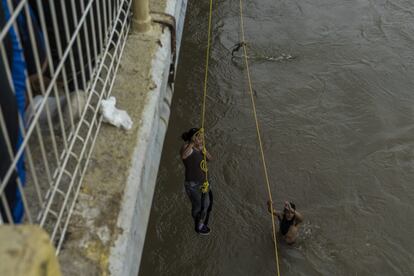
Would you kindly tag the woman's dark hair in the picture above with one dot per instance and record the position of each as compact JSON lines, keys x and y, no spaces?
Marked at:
{"x":292,"y":205}
{"x":186,"y":136}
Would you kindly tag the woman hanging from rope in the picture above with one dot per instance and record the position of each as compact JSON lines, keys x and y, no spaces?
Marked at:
{"x":195,"y":177}
{"x":289,"y":220}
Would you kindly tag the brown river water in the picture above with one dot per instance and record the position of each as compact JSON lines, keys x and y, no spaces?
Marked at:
{"x":334,"y":87}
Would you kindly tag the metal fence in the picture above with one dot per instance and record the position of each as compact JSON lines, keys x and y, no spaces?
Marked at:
{"x":58,"y":60}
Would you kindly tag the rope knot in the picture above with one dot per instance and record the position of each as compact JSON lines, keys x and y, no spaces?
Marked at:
{"x":205,"y":187}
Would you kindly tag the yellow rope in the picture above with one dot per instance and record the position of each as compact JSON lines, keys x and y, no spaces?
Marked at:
{"x":258,"y":134}
{"x":203,"y":112}
{"x":203,"y":165}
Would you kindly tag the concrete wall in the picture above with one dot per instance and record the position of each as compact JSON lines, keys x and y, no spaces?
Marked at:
{"x":136,"y":205}
{"x":107,"y":229}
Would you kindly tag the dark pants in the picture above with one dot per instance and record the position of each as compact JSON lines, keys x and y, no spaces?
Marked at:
{"x":201,"y":204}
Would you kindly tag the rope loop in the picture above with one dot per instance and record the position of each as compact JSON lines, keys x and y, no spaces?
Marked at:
{"x":203,"y":166}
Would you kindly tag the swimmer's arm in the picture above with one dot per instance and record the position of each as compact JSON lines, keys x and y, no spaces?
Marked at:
{"x":186,"y":150}
{"x":270,"y":209}
{"x":298,"y":217}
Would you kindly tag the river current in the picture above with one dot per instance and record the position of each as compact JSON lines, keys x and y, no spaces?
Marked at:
{"x":334,"y":88}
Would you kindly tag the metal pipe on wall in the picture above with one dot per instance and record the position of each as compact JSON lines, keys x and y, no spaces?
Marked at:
{"x":141,"y":16}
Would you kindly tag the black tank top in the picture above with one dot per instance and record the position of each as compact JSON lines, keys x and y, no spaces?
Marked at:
{"x":285,"y":224}
{"x":193,"y":170}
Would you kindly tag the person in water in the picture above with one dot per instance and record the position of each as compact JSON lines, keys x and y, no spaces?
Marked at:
{"x":192,"y":156}
{"x":289,"y":220}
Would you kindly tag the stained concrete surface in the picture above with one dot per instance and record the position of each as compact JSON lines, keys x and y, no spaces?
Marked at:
{"x":92,"y":230}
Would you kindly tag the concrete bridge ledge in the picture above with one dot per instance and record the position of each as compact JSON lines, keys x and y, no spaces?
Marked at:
{"x":107,"y":230}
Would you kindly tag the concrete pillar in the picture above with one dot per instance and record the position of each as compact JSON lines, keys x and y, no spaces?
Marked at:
{"x":26,"y":250}
{"x":141,"y":19}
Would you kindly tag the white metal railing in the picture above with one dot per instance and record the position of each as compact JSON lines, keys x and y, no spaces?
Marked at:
{"x":58,"y":60}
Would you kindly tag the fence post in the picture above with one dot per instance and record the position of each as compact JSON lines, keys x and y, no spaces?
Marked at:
{"x":141,"y":17}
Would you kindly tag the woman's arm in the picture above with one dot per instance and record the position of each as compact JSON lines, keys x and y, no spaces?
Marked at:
{"x":208,"y":156}
{"x":298,"y":217}
{"x":271,"y":209}
{"x":187,"y":150}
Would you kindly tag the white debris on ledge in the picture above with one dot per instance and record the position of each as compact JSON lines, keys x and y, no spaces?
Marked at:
{"x":114,"y":116}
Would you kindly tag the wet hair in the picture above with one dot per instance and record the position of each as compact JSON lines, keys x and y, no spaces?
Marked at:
{"x":186,"y":136}
{"x":292,"y":205}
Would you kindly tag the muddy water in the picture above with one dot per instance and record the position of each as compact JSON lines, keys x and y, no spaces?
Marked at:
{"x":334,"y":87}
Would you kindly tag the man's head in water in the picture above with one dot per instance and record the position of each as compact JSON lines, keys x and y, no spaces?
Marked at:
{"x":289,"y":210}
{"x":193,"y":135}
